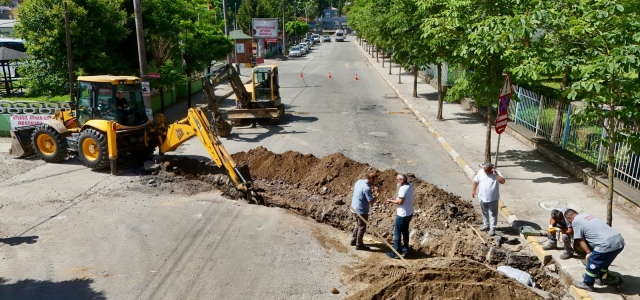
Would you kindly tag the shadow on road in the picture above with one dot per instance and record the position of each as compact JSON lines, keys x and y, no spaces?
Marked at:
{"x":17,"y":240}
{"x":49,"y":290}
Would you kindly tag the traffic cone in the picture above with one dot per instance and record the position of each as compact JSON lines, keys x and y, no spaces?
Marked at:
{"x":356,"y":76}
{"x":300,"y":74}
{"x":329,"y":74}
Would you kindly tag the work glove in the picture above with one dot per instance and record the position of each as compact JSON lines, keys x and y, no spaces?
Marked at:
{"x":552,"y":230}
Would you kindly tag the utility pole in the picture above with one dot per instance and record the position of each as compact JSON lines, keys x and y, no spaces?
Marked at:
{"x":284,"y":34}
{"x":69,"y":59}
{"x":226,"y":27}
{"x":142,"y":57}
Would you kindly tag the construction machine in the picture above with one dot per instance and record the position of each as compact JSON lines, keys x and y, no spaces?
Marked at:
{"x":109,"y":119}
{"x":260,"y":99}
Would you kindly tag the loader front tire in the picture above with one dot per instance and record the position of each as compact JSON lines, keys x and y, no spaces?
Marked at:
{"x":49,"y":145}
{"x":93,"y":150}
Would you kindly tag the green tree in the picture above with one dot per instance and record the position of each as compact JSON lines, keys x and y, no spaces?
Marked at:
{"x":97,"y":29}
{"x":442,"y":39}
{"x":202,"y":41}
{"x":250,"y":9}
{"x":162,"y":20}
{"x":488,"y":34}
{"x":296,"y":28}
{"x":551,"y":52}
{"x":405,"y":18}
{"x":607,"y":85}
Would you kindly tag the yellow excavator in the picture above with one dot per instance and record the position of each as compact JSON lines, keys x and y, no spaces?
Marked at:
{"x":260,"y":99}
{"x":108,"y":119}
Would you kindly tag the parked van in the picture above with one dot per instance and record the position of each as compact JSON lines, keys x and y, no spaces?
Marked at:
{"x":339,"y":36}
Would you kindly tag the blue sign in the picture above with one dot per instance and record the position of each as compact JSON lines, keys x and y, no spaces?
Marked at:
{"x":312,"y":25}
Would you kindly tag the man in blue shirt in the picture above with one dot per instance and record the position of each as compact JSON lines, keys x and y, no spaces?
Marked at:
{"x":360,"y":202}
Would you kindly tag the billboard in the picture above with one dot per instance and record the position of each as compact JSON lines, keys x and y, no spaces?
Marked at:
{"x":264,"y":28}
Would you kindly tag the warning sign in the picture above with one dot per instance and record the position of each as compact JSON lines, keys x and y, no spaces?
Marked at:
{"x":27,"y":119}
{"x":506,"y":89}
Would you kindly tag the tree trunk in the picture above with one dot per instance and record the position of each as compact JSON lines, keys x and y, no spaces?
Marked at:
{"x":440,"y":93}
{"x":487,"y":148}
{"x":399,"y":73}
{"x":611,"y":131}
{"x":162,"y":100}
{"x":415,"y":81}
{"x":390,"y":60}
{"x":377,"y":51}
{"x":557,"y":121}
{"x":373,"y":49}
{"x":383,"y":60}
{"x":188,"y":91}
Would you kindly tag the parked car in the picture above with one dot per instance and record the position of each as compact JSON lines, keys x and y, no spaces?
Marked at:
{"x":295,"y":51}
{"x":316,"y":38}
{"x":326,"y":38}
{"x":304,"y":48}
{"x":309,"y":42}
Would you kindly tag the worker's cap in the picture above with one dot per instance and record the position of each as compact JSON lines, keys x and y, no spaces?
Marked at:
{"x":487,"y":164}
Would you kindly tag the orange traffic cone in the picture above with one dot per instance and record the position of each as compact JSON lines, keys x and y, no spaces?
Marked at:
{"x":356,"y":76}
{"x":329,"y":74}
{"x":300,"y":74}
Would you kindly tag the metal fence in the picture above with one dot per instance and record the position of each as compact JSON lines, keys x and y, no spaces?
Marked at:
{"x":539,"y":114}
{"x":449,"y":76}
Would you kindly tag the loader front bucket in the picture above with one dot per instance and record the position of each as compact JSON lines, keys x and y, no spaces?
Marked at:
{"x":21,"y":145}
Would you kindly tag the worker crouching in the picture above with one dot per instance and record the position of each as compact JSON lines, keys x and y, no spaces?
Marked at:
{"x":607,"y":243}
{"x":558,"y":224}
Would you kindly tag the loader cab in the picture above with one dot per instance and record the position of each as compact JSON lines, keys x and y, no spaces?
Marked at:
{"x":113,"y":98}
{"x":266,"y":87}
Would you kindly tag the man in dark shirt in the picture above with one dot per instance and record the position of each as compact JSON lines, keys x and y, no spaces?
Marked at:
{"x":121,"y":101}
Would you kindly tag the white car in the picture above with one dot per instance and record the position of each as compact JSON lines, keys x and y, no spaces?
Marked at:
{"x":304,"y":47}
{"x":295,"y":51}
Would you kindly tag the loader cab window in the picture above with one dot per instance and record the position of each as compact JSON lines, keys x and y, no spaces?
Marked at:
{"x":262,"y":81}
{"x":84,"y":107}
{"x":134,"y":113}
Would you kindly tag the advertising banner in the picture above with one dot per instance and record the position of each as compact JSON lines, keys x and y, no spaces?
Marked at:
{"x":264,"y":28}
{"x":27,"y":119}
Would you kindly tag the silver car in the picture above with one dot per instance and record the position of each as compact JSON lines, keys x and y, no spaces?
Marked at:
{"x":304,"y":48}
{"x":295,"y":51}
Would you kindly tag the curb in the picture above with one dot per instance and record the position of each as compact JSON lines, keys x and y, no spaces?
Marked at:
{"x":543,"y":255}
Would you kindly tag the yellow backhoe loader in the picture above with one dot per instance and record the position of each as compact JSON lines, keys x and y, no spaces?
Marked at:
{"x":259,"y":99}
{"x":109,"y":119}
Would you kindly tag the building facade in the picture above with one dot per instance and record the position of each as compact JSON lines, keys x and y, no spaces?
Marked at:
{"x":331,"y":21}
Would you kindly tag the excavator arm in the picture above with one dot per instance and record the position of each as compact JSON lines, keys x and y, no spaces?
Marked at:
{"x":229,"y":73}
{"x":196,"y":124}
{"x":210,"y":81}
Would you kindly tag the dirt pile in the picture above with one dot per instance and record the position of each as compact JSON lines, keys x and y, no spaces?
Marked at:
{"x":437,"y":278}
{"x":321,"y":189}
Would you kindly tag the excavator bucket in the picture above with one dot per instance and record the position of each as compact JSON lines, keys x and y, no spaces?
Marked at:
{"x":223,"y":128}
{"x":21,"y":145}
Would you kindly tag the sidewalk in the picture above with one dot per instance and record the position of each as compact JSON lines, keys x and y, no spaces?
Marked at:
{"x":533,"y":186}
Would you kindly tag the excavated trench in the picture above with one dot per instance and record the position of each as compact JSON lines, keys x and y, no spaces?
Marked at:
{"x":453,"y":264}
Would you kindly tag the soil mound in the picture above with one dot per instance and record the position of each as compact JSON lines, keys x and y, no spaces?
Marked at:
{"x":438,"y":278}
{"x":294,"y":180}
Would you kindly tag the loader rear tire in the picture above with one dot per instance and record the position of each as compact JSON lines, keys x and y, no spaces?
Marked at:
{"x":49,"y":145}
{"x":93,"y":149}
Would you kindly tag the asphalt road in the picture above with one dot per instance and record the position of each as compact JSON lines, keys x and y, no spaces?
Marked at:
{"x":363,"y":119}
{"x":72,"y":233}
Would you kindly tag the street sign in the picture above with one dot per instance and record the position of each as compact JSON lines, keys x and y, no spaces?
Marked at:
{"x":154,"y":75}
{"x":506,"y":89}
{"x":503,"y":118}
{"x":270,"y":40}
